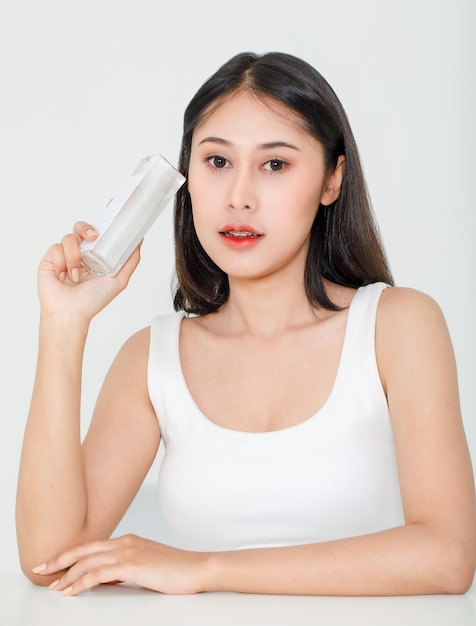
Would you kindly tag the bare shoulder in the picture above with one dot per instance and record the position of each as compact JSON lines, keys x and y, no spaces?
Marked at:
{"x":411,"y":333}
{"x":132,"y":358}
{"x":404,"y":300}
{"x":404,"y":310}
{"x":138,"y":342}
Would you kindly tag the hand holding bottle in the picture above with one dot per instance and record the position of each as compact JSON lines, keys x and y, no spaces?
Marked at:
{"x":66,"y":287}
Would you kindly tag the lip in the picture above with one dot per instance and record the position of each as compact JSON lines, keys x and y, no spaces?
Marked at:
{"x":240,"y":236}
{"x":239,"y":228}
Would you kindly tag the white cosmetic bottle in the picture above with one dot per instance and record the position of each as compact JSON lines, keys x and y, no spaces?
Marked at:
{"x":130,"y":214}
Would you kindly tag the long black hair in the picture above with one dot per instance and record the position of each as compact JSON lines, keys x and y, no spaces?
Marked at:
{"x":345,"y":245}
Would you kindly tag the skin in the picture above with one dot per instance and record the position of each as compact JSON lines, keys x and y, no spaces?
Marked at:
{"x":267,"y":331}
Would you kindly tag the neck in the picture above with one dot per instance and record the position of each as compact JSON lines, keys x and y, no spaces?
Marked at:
{"x":266,"y":306}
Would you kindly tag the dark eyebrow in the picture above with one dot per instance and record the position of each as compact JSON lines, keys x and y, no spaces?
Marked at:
{"x":218,"y":140}
{"x":264,"y":146}
{"x":277,"y":144}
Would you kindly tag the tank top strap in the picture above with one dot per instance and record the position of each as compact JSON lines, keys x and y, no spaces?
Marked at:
{"x":358,"y":365}
{"x":363,"y":315}
{"x":164,"y":365}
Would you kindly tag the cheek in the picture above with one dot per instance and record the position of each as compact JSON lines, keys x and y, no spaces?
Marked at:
{"x":196,"y":198}
{"x":195,"y":180}
{"x":311,"y":197}
{"x":301,"y":202}
{"x":202,"y":208}
{"x":202,"y":191}
{"x":202,"y":212}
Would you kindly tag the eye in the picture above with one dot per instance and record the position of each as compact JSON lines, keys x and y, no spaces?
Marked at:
{"x":217,"y":161}
{"x":274,"y":165}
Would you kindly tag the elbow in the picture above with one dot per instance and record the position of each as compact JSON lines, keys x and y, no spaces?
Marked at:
{"x":459,"y":583}
{"x":457,"y":569}
{"x":36,"y":579}
{"x":40,"y":579}
{"x":460,"y":580}
{"x":28,"y":555}
{"x":30,"y":561}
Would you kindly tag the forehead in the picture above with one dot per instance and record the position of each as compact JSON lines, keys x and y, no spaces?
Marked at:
{"x":244,"y":113}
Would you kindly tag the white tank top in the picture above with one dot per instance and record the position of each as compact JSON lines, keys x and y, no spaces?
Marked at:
{"x":331,"y":476}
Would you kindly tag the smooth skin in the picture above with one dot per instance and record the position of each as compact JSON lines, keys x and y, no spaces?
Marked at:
{"x":253,"y":168}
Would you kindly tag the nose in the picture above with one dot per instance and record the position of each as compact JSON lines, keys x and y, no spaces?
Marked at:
{"x":242,"y":190}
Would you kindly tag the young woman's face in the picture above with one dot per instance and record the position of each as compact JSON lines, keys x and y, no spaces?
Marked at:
{"x":256,"y":180}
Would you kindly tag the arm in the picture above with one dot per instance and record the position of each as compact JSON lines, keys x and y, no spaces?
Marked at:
{"x":67,"y":493}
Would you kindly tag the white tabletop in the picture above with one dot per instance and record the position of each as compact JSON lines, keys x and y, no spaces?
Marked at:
{"x":23,"y":604}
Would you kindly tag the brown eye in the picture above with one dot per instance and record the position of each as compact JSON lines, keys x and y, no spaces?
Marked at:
{"x":217,"y":161}
{"x":275,"y":165}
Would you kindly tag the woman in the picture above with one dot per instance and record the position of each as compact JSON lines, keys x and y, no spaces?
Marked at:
{"x":309,"y":409}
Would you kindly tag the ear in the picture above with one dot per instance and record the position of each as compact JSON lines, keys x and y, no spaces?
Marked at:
{"x":333,"y":183}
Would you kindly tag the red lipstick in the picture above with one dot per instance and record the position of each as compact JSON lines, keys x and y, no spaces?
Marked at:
{"x":240,"y":236}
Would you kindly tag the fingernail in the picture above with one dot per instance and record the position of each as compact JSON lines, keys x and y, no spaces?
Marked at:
{"x":53,"y":584}
{"x":39,"y":568}
{"x":67,"y":590}
{"x":75,"y":275}
{"x":62,"y":276}
{"x":91,"y":233}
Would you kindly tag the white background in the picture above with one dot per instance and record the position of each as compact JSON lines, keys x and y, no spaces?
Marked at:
{"x":90,"y":87}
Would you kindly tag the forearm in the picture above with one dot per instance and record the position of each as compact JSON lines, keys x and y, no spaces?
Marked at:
{"x":405,"y":560}
{"x":52,"y":499}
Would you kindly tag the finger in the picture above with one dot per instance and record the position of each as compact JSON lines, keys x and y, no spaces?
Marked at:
{"x":67,"y":559}
{"x":55,"y":258}
{"x":106,"y":574}
{"x":84,"y":230}
{"x":89,"y":567}
{"x":72,"y":256}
